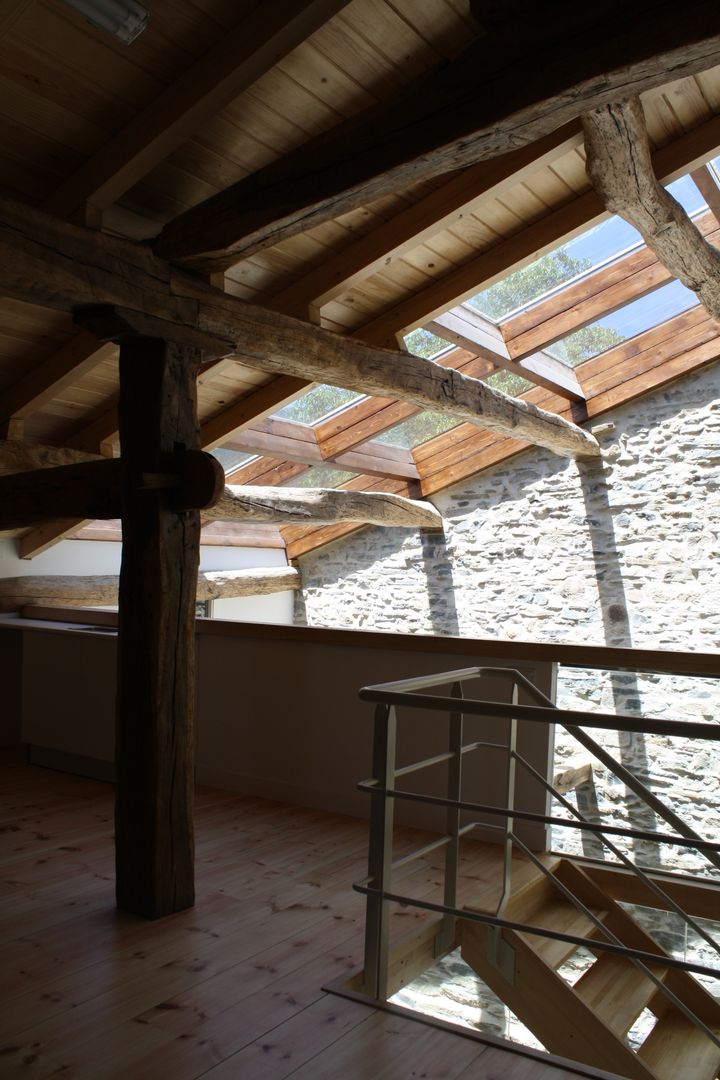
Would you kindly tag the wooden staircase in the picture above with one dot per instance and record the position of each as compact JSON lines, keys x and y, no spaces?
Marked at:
{"x":589,"y":1020}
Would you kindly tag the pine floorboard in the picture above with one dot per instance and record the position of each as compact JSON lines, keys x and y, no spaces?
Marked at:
{"x":232,"y":988}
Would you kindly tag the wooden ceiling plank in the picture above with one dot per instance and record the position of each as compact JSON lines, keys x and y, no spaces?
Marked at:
{"x":448,"y":205}
{"x":40,"y":385}
{"x":91,"y":267}
{"x":483,"y":104}
{"x":264,"y":36}
{"x":529,"y":244}
{"x":620,"y":167}
{"x":467,"y":328}
{"x":10,"y":13}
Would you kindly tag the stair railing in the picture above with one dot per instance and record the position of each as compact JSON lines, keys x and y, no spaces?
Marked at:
{"x":383,"y":792}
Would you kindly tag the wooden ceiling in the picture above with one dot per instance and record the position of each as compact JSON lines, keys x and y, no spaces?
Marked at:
{"x":128,"y":138}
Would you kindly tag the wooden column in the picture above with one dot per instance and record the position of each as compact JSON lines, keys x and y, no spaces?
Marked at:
{"x":156,"y":648}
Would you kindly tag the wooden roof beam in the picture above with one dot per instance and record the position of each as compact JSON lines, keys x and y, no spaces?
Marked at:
{"x":620,"y":167}
{"x":266,"y":34}
{"x":531,"y":242}
{"x":507,"y":89}
{"x":40,"y":385}
{"x":61,"y":265}
{"x":102,"y":590}
{"x":448,"y":205}
{"x":322,"y":506}
{"x":469,"y":329}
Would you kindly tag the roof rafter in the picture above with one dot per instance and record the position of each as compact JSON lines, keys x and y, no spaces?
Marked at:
{"x":505,"y":90}
{"x":263,"y":37}
{"x":522,"y":248}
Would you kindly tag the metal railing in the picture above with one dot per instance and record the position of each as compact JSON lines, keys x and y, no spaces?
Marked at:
{"x":377,"y":886}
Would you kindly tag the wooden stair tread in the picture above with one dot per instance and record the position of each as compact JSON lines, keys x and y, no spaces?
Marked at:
{"x":560,"y":915}
{"x":676,"y":1048}
{"x":616,"y":990}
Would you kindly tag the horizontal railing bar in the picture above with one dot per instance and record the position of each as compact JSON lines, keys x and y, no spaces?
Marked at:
{"x":438,"y":759}
{"x":421,"y":682}
{"x":543,"y":714}
{"x":659,"y":960}
{"x":372,"y":786}
{"x":431,"y":846}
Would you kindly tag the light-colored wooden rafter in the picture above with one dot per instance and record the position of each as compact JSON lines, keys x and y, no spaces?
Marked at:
{"x":465,"y":327}
{"x":260,"y":39}
{"x":34,"y":390}
{"x":443,"y":208}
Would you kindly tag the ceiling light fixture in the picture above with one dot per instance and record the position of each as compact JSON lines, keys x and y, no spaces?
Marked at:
{"x":124,"y":19}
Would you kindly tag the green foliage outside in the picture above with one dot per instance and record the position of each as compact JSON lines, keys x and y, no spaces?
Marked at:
{"x":531,"y":282}
{"x":317,"y":403}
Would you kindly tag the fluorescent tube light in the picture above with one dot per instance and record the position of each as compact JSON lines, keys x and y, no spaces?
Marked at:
{"x":124,"y":19}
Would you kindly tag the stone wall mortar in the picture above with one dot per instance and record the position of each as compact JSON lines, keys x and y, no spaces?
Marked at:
{"x":622,"y":552}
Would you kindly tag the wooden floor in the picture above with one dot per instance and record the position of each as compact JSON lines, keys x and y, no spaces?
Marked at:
{"x":230,"y":989}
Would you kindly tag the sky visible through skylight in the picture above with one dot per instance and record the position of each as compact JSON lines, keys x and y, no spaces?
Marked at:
{"x":598,"y":246}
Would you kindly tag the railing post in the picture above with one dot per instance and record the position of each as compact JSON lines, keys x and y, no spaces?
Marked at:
{"x":502,"y":955}
{"x":380,"y":855}
{"x":446,"y":935}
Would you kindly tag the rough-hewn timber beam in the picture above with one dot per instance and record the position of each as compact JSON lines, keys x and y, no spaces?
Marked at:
{"x":259,"y":41}
{"x":705,"y":180}
{"x":322,"y":506}
{"x":505,"y":90}
{"x":620,"y":167}
{"x":91,"y":267}
{"x":442,"y":208}
{"x":90,"y":486}
{"x":102,"y":590}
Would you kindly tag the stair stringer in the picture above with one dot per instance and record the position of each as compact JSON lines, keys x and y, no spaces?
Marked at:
{"x":549,"y":1006}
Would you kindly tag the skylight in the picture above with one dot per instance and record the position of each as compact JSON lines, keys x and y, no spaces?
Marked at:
{"x":424,"y":343}
{"x":417,"y":430}
{"x":318,"y":404}
{"x":640,"y":315}
{"x":321,"y":476}
{"x":232,"y":459}
{"x":603,"y":244}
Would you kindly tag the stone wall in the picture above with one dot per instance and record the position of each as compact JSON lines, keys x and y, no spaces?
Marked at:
{"x":618,"y":552}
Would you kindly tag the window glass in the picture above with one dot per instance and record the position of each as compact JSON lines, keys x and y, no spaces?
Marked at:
{"x":640,"y":315}
{"x":321,"y":476}
{"x":317,"y":404}
{"x":417,"y":430}
{"x":423,"y":343}
{"x":232,"y":459}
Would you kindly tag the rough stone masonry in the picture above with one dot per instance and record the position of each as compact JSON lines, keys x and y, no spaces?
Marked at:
{"x":619,"y":552}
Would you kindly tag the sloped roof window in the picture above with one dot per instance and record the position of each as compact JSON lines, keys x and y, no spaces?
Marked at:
{"x":321,"y":476}
{"x":232,"y":459}
{"x":318,"y":404}
{"x":417,"y":430}
{"x":640,"y":315}
{"x":594,"y":249}
{"x":424,"y":343}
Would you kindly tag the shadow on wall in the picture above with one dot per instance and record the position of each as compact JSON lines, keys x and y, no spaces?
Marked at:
{"x":617,"y":632}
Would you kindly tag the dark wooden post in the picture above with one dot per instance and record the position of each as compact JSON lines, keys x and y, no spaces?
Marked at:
{"x":156,"y":649}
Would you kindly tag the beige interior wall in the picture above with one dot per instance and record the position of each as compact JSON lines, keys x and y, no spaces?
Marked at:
{"x":278,"y":712}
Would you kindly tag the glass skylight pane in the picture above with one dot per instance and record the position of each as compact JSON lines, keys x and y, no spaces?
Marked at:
{"x":417,"y":430}
{"x":232,"y":459}
{"x":321,"y":476}
{"x":423,"y":343}
{"x":317,"y":404}
{"x":687,"y":194}
{"x":598,"y":246}
{"x":636,"y":317}
{"x":509,"y":383}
